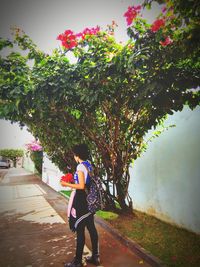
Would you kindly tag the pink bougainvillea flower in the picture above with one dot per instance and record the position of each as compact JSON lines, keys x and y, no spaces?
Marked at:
{"x":68,"y":32}
{"x":157,"y":25}
{"x":68,"y":39}
{"x":92,"y":31}
{"x":137,"y":8}
{"x":167,"y":41}
{"x":60,"y":37}
{"x":34,"y":146}
{"x":164,"y":9}
{"x":132,"y":13}
{"x":87,"y":31}
{"x":79,"y":35}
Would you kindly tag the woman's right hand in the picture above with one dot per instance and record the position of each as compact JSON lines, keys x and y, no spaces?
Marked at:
{"x":63,"y":183}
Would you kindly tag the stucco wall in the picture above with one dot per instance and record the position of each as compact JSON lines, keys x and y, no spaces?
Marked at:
{"x":165,"y":180}
{"x":28,"y":164}
{"x":51,"y":174}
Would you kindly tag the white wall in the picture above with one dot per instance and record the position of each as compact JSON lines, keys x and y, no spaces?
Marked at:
{"x":165,"y":180}
{"x":28,"y":164}
{"x":51,"y":174}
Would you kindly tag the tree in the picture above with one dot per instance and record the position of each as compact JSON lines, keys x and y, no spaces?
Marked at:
{"x":111,"y":96}
{"x":12,"y":154}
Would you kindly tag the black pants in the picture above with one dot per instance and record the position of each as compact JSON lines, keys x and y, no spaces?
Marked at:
{"x":89,"y":223}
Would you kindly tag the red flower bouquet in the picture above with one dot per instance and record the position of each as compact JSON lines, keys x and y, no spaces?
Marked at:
{"x":68,"y":178}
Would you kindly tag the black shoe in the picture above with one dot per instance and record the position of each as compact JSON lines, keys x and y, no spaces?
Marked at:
{"x":94,"y":259}
{"x":74,"y":263}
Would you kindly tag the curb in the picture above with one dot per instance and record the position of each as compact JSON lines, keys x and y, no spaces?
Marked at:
{"x":132,"y":245}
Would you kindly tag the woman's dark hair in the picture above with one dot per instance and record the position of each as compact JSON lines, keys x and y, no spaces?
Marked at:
{"x":81,"y":151}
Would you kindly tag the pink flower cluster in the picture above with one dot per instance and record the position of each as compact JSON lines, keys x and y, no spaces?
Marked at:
{"x":157,"y":25}
{"x":87,"y":31}
{"x":167,"y":41}
{"x":164,"y":9}
{"x":70,"y":40}
{"x":132,"y":13}
{"x":34,"y":146}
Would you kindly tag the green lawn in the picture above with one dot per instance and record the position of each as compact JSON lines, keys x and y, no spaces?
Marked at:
{"x":66,"y":192}
{"x":174,"y":246}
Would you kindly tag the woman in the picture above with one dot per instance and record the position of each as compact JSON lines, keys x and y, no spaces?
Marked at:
{"x":79,"y":216}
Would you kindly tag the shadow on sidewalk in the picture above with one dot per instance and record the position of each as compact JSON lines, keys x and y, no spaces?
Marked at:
{"x":26,"y":243}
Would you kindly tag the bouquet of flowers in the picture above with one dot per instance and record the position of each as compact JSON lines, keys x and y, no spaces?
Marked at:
{"x":68,"y":178}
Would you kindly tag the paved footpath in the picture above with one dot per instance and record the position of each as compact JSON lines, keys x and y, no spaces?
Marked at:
{"x":34,"y":229}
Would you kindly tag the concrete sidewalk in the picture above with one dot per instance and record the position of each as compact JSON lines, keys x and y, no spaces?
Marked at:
{"x":34,"y":229}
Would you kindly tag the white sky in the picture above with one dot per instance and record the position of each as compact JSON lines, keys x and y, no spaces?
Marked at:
{"x":11,"y":136}
{"x":43,"y":20}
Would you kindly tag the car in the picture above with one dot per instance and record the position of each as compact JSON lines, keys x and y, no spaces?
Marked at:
{"x":4,"y":163}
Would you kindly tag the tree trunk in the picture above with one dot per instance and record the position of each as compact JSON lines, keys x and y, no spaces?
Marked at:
{"x":15,"y":162}
{"x":121,"y":182}
{"x":122,"y":197}
{"x":117,"y":181}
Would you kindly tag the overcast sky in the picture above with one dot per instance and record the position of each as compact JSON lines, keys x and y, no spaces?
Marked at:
{"x":43,"y":20}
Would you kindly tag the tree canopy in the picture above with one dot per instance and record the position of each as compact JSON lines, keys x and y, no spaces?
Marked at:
{"x":112,"y":95}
